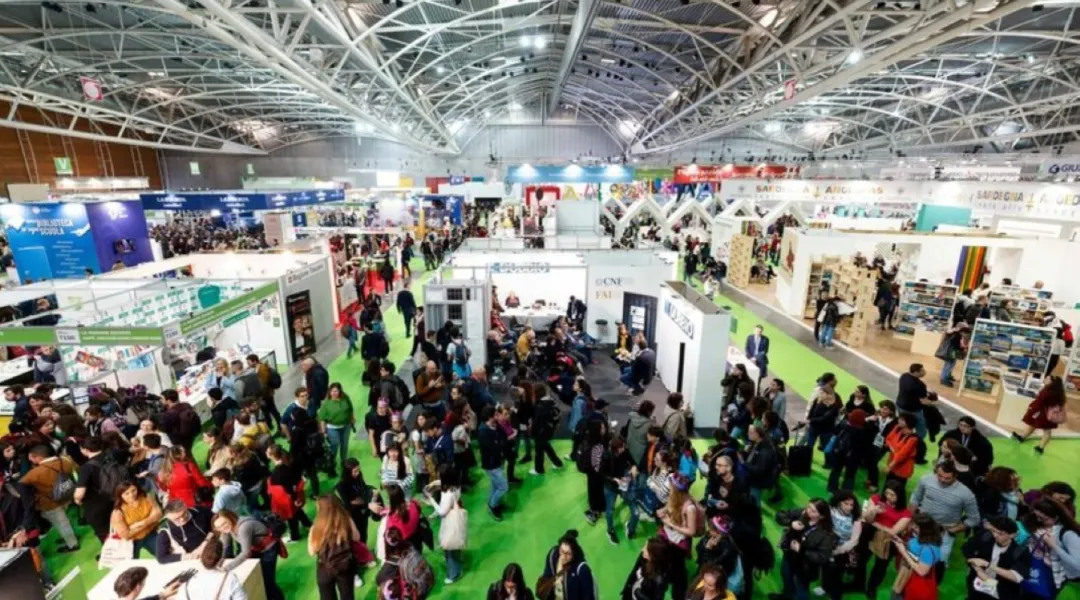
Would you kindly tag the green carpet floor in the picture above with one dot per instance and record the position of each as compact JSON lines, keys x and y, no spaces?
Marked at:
{"x":541,"y":509}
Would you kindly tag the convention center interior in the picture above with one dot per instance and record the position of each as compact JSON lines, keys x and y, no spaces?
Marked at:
{"x":539,"y":299}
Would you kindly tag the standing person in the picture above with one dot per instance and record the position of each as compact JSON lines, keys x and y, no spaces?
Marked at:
{"x":902,"y":446}
{"x":888,"y":517}
{"x":317,"y":382}
{"x":637,"y":429}
{"x":135,"y":517}
{"x":849,"y":451}
{"x":331,"y":541}
{"x":356,"y":494}
{"x":822,"y":415}
{"x":336,"y":420}
{"x":185,"y":533}
{"x":179,"y":420}
{"x":761,"y":461}
{"x":953,"y":347}
{"x":566,"y":574}
{"x":229,"y":495}
{"x":682,"y":518}
{"x":777,"y":397}
{"x":648,"y":578}
{"x":675,"y":420}
{"x":829,"y":318}
{"x":452,"y":531}
{"x":386,"y":273}
{"x":757,"y":350}
{"x":620,"y":472}
{"x":98,"y":478}
{"x":807,"y":543}
{"x":949,"y":503}
{"x":492,"y":453}
{"x":996,"y":563}
{"x":847,"y":526}
{"x":511,"y":586}
{"x":211,"y":582}
{"x":879,"y":426}
{"x":1055,"y":549}
{"x":911,"y":397}
{"x":286,"y":489}
{"x":255,"y":540}
{"x":406,"y":305}
{"x":922,"y":556}
{"x":544,"y":423}
{"x":306,"y":448}
{"x":711,"y":584}
{"x":43,"y":478}
{"x":968,"y":436}
{"x":378,"y":422}
{"x":1045,"y":412}
{"x":270,"y":382}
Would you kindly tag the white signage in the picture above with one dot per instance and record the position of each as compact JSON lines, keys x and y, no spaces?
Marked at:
{"x":1061,"y":167}
{"x":520,"y":268}
{"x":821,"y":191}
{"x":682,"y":321}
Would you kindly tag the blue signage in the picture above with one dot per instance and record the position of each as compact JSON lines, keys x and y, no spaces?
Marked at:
{"x":457,"y":179}
{"x":682,"y":321}
{"x":229,"y":201}
{"x":569,"y":174}
{"x":50,"y":240}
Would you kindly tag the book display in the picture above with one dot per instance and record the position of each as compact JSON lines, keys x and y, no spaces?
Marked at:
{"x":741,"y":260}
{"x":1025,"y":305}
{"x":855,"y":286}
{"x":1008,"y":357}
{"x":1071,"y":376}
{"x":821,"y":276}
{"x":925,"y":307}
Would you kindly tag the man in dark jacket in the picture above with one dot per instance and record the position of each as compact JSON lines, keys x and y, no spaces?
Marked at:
{"x":179,"y":420}
{"x":317,"y":382}
{"x":389,"y":386}
{"x":994,"y":555}
{"x":373,"y":346}
{"x":545,"y":422}
{"x":492,"y":456}
{"x":973,"y":439}
{"x":406,"y":305}
{"x":761,"y":462}
{"x":185,"y":533}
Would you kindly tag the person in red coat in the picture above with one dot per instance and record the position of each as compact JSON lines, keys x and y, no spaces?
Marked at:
{"x":181,"y":479}
{"x":1045,"y":412}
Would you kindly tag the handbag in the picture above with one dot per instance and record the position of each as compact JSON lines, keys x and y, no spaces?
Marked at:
{"x":881,"y":544}
{"x":453,"y":533}
{"x":1056,"y":415}
{"x":115,"y":551}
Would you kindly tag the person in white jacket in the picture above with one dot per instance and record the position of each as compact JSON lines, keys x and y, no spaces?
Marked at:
{"x":211,"y":582}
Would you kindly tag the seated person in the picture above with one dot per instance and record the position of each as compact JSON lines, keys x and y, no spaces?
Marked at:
{"x":512,"y":301}
{"x":635,"y":350}
{"x":624,"y":343}
{"x":525,"y":344}
{"x":641,"y":370}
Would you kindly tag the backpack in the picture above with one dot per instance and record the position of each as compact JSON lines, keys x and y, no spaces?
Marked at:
{"x":274,"y":382}
{"x":762,"y":557}
{"x":461,"y":354}
{"x":111,"y":475}
{"x":699,"y":528}
{"x":1067,"y":334}
{"x":336,"y":559}
{"x":416,"y":574}
{"x":63,"y":490}
{"x":189,"y":422}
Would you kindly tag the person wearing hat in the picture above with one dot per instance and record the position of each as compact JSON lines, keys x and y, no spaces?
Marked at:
{"x":717,"y":547}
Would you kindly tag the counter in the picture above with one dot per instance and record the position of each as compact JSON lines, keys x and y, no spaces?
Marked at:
{"x":249,"y":573}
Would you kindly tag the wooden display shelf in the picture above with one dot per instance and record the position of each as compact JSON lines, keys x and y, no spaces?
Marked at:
{"x":740,"y":260}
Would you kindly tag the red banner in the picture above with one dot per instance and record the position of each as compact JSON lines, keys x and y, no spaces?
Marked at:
{"x":711,"y":173}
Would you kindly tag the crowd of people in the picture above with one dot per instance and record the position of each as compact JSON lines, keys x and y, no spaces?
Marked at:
{"x":195,"y":232}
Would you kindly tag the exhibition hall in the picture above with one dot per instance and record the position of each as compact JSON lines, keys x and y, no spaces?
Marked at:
{"x":539,"y":300}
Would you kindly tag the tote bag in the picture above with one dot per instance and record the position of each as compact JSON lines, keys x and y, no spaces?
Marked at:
{"x":115,"y":551}
{"x":453,"y":533}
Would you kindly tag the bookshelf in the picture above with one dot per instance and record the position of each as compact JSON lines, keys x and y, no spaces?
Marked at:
{"x":821,"y":273}
{"x":740,"y":260}
{"x":1005,"y":357}
{"x":856,"y":287}
{"x":925,"y":306}
{"x":1028,"y":306}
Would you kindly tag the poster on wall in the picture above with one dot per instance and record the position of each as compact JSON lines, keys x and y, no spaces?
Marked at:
{"x":301,"y":328}
{"x":50,"y":241}
{"x":120,"y":233}
{"x":788,"y":249}
{"x":1007,"y":354}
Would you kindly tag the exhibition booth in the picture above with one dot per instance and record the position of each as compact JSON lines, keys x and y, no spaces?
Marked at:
{"x":59,"y":240}
{"x":692,"y":349}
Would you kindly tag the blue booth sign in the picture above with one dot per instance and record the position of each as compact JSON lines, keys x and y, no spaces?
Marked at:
{"x":229,"y":201}
{"x":569,"y":174}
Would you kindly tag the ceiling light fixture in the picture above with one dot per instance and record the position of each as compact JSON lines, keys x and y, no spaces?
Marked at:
{"x":525,"y":41}
{"x":539,"y":42}
{"x":440,"y":70}
{"x":855,"y":56}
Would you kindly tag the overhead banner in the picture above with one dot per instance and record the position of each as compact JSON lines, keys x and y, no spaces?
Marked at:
{"x":569,"y":174}
{"x":829,"y":191}
{"x":241,"y":201}
{"x":1022,"y":199}
{"x":227,"y":309}
{"x":84,"y":336}
{"x":711,"y":173}
{"x":1061,"y":167}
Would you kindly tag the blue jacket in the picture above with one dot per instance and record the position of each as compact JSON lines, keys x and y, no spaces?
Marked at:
{"x":577,"y":412}
{"x":578,"y":584}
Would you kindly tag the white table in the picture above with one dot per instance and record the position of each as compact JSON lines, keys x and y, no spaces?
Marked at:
{"x":14,"y":368}
{"x":249,"y":573}
{"x":539,"y":318}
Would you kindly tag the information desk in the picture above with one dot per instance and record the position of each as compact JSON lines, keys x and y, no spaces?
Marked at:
{"x":539,"y":318}
{"x":249,"y":573}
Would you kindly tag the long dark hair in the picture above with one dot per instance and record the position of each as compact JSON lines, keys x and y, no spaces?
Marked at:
{"x":515,"y":575}
{"x":351,"y":464}
{"x":396,"y":498}
{"x":401,"y":473}
{"x":570,"y":539}
{"x":824,"y":513}
{"x":1055,"y":391}
{"x":1053,"y":509}
{"x":929,"y":530}
{"x":658,"y":557}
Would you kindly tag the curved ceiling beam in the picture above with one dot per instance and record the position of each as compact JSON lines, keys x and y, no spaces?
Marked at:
{"x":579,"y":31}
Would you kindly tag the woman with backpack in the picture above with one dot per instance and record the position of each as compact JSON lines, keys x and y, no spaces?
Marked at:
{"x":255,"y":540}
{"x":286,"y":489}
{"x":828,"y":317}
{"x":566,"y":574}
{"x":455,"y":521}
{"x":807,"y":544}
{"x":1055,"y":549}
{"x":682,"y":520}
{"x":406,"y":575}
{"x":1045,"y":412}
{"x":331,"y":540}
{"x":250,"y":472}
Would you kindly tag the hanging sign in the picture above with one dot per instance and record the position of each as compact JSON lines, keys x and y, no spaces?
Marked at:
{"x":520,"y":268}
{"x":682,"y":321}
{"x":63,"y":165}
{"x":91,"y":89}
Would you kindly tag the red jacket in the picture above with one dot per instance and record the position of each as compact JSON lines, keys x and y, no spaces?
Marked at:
{"x":186,"y":480}
{"x":903,"y":449}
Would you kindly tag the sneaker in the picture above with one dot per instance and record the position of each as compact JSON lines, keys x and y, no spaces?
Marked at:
{"x":629,"y":534}
{"x":66,"y":550}
{"x":591,"y":517}
{"x":1016,"y":436}
{"x":447,"y":581}
{"x":357,"y":581}
{"x":1038,"y":449}
{"x":611,"y":537}
{"x":495,"y":513}
{"x":533,"y":472}
{"x":819,"y":591}
{"x":558,"y":466}
{"x":525,"y":460}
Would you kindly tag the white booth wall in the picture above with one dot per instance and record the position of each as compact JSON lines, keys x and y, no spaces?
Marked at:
{"x":686,"y":321}
{"x":565,"y":276}
{"x":614,"y":274}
